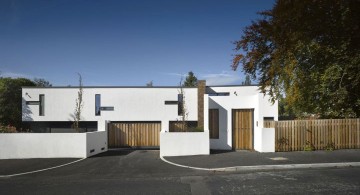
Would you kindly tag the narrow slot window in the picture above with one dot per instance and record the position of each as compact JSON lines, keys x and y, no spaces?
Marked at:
{"x":97,"y":104}
{"x":214,"y":123}
{"x":41,"y":105}
{"x":180,"y":104}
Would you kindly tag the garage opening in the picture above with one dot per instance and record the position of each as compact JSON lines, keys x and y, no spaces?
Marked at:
{"x":136,"y":134}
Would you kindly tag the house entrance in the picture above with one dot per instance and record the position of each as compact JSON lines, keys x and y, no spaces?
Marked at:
{"x":134,"y":134}
{"x":243,"y":129}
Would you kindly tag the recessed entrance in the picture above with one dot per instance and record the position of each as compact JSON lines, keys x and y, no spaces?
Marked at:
{"x":134,"y":134}
{"x":243,"y":129}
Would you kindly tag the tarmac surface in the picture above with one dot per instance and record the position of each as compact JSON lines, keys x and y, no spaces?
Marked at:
{"x":148,"y":161}
{"x":221,"y":159}
{"x":16,"y":166}
{"x":143,"y":172}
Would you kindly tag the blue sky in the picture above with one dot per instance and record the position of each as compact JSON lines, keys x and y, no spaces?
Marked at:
{"x":123,"y":42}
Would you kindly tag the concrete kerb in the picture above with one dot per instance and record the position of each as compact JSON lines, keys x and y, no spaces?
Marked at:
{"x":268,"y":167}
{"x":40,"y":170}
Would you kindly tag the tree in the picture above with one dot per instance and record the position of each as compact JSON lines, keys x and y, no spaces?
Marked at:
{"x":182,"y":109}
{"x":247,"y":80}
{"x":11,"y":100}
{"x":308,"y":51}
{"x":190,"y":80}
{"x":78,"y":105}
{"x":42,"y":83}
{"x":149,"y":84}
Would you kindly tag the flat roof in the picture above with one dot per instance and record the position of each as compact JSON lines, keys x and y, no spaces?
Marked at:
{"x":134,"y":86}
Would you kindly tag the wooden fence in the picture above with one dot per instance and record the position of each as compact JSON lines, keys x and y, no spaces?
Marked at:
{"x":297,"y":135}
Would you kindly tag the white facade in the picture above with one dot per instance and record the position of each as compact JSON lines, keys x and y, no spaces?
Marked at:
{"x":54,"y":145}
{"x":148,"y":104}
{"x":130,"y":104}
{"x":243,"y":97}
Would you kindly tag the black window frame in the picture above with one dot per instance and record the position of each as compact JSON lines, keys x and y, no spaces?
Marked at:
{"x":180,"y":104}
{"x":41,"y":105}
{"x":97,"y":105}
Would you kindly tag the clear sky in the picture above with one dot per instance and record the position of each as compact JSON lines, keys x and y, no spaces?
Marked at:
{"x":123,"y":42}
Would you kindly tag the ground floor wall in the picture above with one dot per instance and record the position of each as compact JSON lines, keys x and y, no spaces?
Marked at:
{"x":52,"y":145}
{"x":184,"y":143}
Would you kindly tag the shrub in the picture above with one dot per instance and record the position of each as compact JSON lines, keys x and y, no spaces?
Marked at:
{"x":308,"y":146}
{"x":7,"y":129}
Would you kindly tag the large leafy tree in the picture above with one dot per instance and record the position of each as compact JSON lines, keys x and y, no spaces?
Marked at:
{"x":11,"y":100}
{"x":190,"y":80}
{"x":42,"y":82}
{"x":309,"y":52}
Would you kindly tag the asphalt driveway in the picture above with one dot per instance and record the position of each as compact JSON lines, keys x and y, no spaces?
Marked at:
{"x":220,"y":159}
{"x":113,"y":163}
{"x":143,"y":172}
{"x":147,"y":163}
{"x":16,"y":166}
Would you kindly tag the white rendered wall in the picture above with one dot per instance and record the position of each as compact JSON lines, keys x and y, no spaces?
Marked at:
{"x":266,"y":138}
{"x":96,"y":142}
{"x":242,"y":97}
{"x":130,"y":104}
{"x":184,"y":143}
{"x":50,"y":145}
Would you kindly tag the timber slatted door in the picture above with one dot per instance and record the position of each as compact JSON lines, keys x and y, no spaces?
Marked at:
{"x":134,"y":134}
{"x":242,"y":129}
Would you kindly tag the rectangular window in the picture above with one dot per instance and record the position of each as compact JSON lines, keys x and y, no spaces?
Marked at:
{"x":97,"y":104}
{"x":219,"y":94}
{"x":268,"y":118}
{"x":41,"y":105}
{"x":179,"y":126}
{"x":214,"y":123}
{"x":180,"y":104}
{"x":107,"y":108}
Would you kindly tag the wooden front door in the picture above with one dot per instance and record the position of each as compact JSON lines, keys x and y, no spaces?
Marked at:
{"x":134,"y":134}
{"x":243,"y":129}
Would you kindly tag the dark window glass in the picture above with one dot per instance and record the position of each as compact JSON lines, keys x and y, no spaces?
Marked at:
{"x":268,"y":118}
{"x":214,"y":123}
{"x":107,"y":108}
{"x":97,"y":104}
{"x":219,"y":94}
{"x":179,"y":126}
{"x":42,"y":105}
{"x":180,"y":104}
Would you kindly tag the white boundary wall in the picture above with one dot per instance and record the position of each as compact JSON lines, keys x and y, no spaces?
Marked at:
{"x":266,"y":137}
{"x":184,"y":143}
{"x":51,"y":145}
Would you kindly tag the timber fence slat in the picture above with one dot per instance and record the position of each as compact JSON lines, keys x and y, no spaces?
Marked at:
{"x":320,"y":134}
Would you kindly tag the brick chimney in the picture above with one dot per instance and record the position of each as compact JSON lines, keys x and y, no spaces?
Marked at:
{"x":201,"y":91}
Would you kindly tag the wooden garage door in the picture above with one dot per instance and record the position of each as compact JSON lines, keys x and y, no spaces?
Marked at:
{"x":242,"y":125}
{"x":134,"y":134}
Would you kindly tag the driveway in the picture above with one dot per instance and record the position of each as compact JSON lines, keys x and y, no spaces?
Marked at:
{"x":143,"y":172}
{"x":113,"y":163}
{"x":220,"y":159}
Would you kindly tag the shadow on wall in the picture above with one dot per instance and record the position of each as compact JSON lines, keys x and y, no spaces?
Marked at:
{"x":222,"y":142}
{"x":26,"y":111}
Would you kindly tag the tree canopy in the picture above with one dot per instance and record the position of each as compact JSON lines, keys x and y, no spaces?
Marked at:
{"x":190,"y":80}
{"x":11,"y":100}
{"x":42,"y":82}
{"x":308,"y":52}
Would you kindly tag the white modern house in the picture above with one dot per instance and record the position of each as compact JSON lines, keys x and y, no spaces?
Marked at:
{"x":227,"y":117}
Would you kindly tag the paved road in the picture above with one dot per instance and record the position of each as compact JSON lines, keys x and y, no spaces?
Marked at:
{"x":142,"y":172}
